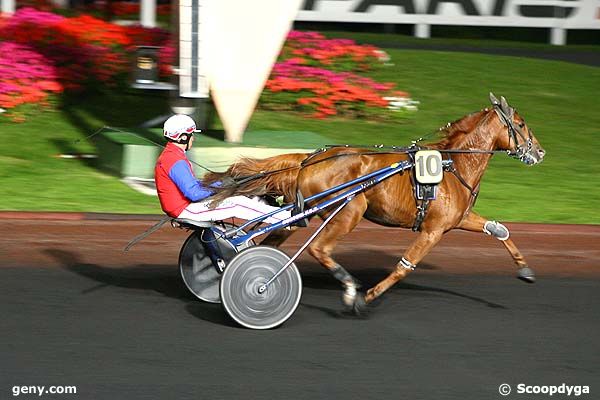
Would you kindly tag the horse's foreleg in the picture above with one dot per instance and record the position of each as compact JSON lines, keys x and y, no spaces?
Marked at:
{"x":413,"y":255}
{"x":476,"y":223}
{"x":350,"y":298}
{"x":324,"y":244}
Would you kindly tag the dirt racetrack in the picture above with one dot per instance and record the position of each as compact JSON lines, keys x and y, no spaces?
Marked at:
{"x":559,"y":250}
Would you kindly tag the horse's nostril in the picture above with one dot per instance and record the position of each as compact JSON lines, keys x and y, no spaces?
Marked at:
{"x":542,"y":152}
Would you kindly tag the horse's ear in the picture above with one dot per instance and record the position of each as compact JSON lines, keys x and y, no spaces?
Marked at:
{"x":504,"y":104}
{"x":493,"y":99}
{"x":508,"y":110}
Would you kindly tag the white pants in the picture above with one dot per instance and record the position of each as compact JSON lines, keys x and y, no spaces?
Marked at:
{"x":237,"y":206}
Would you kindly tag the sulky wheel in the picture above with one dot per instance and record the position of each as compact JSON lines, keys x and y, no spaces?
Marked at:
{"x":196,"y":267}
{"x":243,"y":277}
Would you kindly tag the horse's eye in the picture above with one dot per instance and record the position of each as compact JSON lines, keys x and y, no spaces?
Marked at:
{"x":521,"y":124}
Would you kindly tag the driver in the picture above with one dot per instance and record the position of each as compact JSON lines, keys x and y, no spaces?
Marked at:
{"x":183,"y":196}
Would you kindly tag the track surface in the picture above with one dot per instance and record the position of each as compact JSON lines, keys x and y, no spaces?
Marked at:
{"x":75,"y":310}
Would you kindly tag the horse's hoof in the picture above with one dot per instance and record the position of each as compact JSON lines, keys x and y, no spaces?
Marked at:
{"x":376,"y":302}
{"x":526,"y":274}
{"x":360,"y":307}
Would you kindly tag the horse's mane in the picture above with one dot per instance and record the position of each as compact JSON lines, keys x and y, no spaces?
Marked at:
{"x":454,"y":132}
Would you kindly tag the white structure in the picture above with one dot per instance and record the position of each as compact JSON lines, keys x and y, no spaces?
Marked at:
{"x":192,"y":54}
{"x":148,"y":13}
{"x":556,"y":15}
{"x":8,"y":6}
{"x":228,"y":47}
{"x":242,"y":42}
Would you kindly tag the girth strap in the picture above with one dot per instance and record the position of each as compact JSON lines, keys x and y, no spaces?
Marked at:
{"x":422,"y":205}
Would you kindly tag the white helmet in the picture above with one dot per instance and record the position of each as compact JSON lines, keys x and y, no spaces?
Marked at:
{"x":179,"y":128}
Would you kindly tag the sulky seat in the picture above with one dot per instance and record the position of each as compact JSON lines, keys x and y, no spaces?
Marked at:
{"x":190,"y":223}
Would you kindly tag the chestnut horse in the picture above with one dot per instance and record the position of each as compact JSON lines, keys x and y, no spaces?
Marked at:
{"x":469,"y":142}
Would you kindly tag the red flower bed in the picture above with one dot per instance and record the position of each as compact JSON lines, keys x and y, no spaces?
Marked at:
{"x":320,"y":77}
{"x":315,"y":75}
{"x":336,"y":54}
{"x":25,"y":77}
{"x":81,"y":51}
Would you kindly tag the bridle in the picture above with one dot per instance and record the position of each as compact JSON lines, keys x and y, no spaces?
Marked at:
{"x":522,"y":150}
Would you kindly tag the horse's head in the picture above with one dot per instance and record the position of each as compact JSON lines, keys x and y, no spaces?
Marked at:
{"x":518,"y":140}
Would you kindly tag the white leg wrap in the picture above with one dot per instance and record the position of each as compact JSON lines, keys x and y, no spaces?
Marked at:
{"x":350,"y":285}
{"x":349,"y":294}
{"x":404,"y":263}
{"x":496,"y":229}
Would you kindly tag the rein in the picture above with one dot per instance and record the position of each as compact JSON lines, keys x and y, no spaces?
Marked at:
{"x":395,"y":150}
{"x":411,"y":149}
{"x":106,"y":127}
{"x":502,"y":109}
{"x":304,"y":163}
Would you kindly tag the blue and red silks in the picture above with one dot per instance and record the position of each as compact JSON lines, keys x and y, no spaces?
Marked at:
{"x":176,"y":184}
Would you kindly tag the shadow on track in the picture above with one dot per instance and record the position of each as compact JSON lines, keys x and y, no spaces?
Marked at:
{"x":322,"y":280}
{"x":166,"y":281}
{"x":410,"y":286}
{"x":212,"y":313}
{"x":161,"y":279}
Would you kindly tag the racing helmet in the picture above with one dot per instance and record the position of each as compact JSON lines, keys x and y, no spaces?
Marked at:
{"x":179,"y":128}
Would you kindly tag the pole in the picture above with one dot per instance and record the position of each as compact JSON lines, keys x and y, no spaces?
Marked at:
{"x":8,"y":6}
{"x":148,"y":13}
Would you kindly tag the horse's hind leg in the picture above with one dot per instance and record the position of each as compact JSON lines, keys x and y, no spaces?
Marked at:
{"x":412,"y":256}
{"x":322,"y":247}
{"x":476,"y":223}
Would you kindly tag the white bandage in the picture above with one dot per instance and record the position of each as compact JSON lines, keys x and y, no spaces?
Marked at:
{"x":404,"y":263}
{"x":349,"y":294}
{"x":496,"y":229}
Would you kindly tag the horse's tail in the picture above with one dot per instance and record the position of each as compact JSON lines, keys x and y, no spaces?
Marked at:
{"x":275,"y":176}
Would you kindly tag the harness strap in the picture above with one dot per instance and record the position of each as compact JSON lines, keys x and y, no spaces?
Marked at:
{"x":423,"y":205}
{"x":146,"y":233}
{"x":474,"y":191}
{"x":421,"y":213}
{"x":463,"y":182}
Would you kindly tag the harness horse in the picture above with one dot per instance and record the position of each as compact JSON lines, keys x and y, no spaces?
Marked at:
{"x":427,"y":188}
